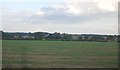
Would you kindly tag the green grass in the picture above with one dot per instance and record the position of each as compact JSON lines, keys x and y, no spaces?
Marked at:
{"x":59,"y":54}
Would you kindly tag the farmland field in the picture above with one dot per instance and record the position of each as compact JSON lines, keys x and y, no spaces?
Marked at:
{"x":59,"y":54}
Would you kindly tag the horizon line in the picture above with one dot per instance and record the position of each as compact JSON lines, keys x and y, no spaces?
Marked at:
{"x":57,"y":32}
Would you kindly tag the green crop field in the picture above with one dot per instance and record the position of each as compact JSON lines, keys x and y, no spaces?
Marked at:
{"x":59,"y":54}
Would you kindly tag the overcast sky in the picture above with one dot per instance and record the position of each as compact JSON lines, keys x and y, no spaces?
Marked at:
{"x":70,"y":16}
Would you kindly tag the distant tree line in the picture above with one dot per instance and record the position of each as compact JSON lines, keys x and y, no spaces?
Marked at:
{"x":57,"y":36}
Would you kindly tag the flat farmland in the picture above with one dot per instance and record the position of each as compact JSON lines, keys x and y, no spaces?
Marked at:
{"x":59,"y":54}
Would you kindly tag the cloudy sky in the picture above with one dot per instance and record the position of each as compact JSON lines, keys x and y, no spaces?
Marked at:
{"x":69,"y":16}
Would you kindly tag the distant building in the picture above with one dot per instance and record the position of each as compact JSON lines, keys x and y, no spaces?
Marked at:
{"x":105,"y":38}
{"x":116,"y":38}
{"x":32,"y":37}
{"x":16,"y":37}
{"x":28,"y":37}
{"x":75,"y":37}
{"x":46,"y":34}
{"x":25,"y":36}
{"x":83,"y":37}
{"x":90,"y":37}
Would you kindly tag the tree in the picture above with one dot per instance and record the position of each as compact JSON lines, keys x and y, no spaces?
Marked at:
{"x":57,"y":36}
{"x":39,"y":36}
{"x":66,"y":37}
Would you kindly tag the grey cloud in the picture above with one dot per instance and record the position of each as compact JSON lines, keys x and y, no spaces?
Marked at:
{"x":65,"y":18}
{"x":60,"y":15}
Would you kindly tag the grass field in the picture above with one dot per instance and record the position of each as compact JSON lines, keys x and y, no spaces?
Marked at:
{"x":59,"y":54}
